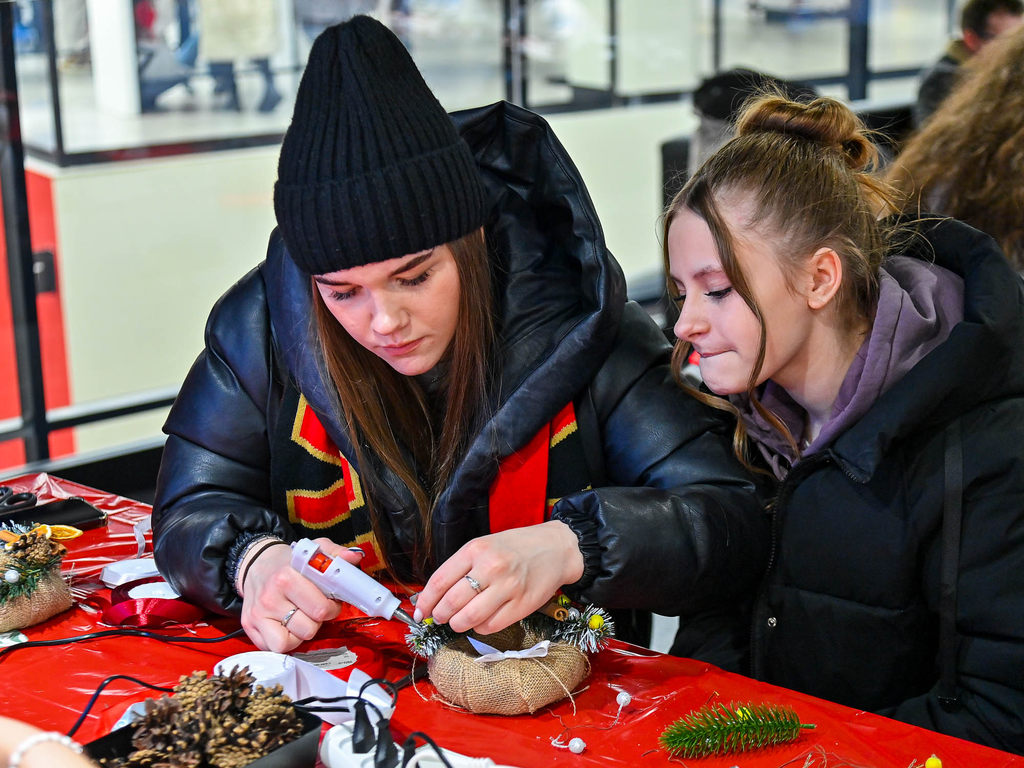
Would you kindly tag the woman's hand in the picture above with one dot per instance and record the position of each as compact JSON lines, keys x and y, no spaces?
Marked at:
{"x":13,"y":734}
{"x":280,"y":607}
{"x":517,"y":571}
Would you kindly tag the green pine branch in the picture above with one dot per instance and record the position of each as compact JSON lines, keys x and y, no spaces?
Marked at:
{"x":28,"y":577}
{"x":718,"y":729}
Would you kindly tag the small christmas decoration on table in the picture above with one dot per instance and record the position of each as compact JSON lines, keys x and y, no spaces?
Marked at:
{"x":216,"y":721}
{"x":526,"y":666}
{"x":717,"y":729}
{"x":31,"y":587}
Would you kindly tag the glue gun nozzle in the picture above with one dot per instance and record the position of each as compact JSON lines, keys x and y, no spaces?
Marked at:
{"x":404,"y":617}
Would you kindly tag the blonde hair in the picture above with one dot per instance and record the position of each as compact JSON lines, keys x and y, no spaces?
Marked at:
{"x":805,"y":172}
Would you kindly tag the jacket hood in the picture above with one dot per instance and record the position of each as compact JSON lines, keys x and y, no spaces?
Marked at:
{"x":559,"y":294}
{"x":918,"y":304}
{"x":980,"y":360}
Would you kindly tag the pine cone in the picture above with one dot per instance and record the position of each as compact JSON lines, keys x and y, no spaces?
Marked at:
{"x":272,"y":716}
{"x":232,"y":690}
{"x":234,"y":757}
{"x":193,"y":688}
{"x":189,"y":736}
{"x":154,"y":730}
{"x":145,"y":758}
{"x":35,"y":549}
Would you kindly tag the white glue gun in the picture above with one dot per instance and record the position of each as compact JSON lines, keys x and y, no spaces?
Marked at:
{"x":340,"y":580}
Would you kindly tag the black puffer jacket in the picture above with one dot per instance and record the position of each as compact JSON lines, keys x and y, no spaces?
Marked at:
{"x":677,"y":525}
{"x":849,"y":610}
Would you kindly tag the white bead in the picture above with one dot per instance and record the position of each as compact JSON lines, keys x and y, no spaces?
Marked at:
{"x":623,"y":699}
{"x":12,"y":576}
{"x":576,"y":746}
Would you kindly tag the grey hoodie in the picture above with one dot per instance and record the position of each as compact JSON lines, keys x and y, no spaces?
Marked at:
{"x":918,"y":305}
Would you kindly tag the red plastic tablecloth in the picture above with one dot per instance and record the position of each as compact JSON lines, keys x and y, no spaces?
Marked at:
{"x":50,"y":686}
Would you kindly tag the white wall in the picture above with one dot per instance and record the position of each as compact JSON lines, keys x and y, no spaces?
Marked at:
{"x":146,"y":249}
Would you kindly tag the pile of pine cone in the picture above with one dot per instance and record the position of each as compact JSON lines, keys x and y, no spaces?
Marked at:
{"x":212,"y":722}
{"x":35,"y":548}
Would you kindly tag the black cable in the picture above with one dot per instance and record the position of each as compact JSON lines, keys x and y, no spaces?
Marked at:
{"x":381,"y":681}
{"x":117,"y":633}
{"x":411,"y":741}
{"x":104,"y":684}
{"x":417,"y":674}
{"x":304,"y":705}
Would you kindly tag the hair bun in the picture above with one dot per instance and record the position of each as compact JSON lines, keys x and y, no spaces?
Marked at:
{"x":824,"y":121}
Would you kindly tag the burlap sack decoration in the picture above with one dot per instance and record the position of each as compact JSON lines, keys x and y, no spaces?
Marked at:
{"x":50,"y":597}
{"x":510,"y":686}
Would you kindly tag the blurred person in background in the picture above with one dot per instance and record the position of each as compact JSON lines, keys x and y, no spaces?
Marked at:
{"x":239,"y":29}
{"x":314,"y":16}
{"x":71,"y":33}
{"x":968,"y":160}
{"x":981,"y":22}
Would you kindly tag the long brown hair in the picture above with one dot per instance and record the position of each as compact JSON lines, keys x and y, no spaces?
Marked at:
{"x":803,"y":172}
{"x":388,"y":412}
{"x":967,"y":161}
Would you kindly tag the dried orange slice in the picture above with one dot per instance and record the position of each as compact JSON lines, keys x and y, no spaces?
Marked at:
{"x":58,"y":532}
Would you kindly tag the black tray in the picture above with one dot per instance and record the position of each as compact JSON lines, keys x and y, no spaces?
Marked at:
{"x":300,"y":753}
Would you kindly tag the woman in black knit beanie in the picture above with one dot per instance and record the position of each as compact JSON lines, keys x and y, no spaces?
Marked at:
{"x":435,"y":371}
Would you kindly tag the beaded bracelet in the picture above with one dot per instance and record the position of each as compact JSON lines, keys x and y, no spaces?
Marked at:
{"x":39,"y":738}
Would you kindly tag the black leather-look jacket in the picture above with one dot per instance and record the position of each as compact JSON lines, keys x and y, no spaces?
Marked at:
{"x":674,"y":524}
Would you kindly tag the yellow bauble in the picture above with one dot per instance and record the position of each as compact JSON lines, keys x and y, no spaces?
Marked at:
{"x":933,"y":762}
{"x":596,"y":622}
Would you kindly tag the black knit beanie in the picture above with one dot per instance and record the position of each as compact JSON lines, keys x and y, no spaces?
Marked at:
{"x":371,"y":167}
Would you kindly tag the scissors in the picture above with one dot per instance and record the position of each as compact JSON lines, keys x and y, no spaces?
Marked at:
{"x":15,"y":502}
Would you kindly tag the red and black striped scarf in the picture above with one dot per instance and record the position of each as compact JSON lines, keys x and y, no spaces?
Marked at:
{"x":321,"y":493}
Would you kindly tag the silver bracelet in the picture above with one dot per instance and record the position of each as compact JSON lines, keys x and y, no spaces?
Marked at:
{"x":39,"y":738}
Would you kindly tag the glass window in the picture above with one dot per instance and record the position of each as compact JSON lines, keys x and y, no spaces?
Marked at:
{"x":150,"y":176}
{"x":792,"y":39}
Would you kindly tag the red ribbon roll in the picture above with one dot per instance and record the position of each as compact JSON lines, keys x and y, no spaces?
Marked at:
{"x":148,"y":612}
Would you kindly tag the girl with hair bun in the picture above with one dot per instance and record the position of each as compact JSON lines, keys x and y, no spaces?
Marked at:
{"x":875,"y":371}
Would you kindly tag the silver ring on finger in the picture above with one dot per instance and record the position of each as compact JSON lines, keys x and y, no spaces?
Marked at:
{"x":473,"y":583}
{"x":288,"y":617}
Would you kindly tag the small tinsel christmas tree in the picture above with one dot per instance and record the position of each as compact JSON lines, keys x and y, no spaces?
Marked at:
{"x":429,"y":637}
{"x":588,"y":628}
{"x":216,"y":721}
{"x":717,"y":729}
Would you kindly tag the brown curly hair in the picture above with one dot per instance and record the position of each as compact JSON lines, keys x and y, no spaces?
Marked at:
{"x":967,"y":161}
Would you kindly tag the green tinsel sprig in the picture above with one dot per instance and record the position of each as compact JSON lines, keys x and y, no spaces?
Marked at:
{"x":589,"y":628}
{"x":429,"y":637}
{"x":718,"y":729}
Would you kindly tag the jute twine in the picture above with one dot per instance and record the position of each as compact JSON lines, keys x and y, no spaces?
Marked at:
{"x":50,"y":597}
{"x":509,"y":686}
